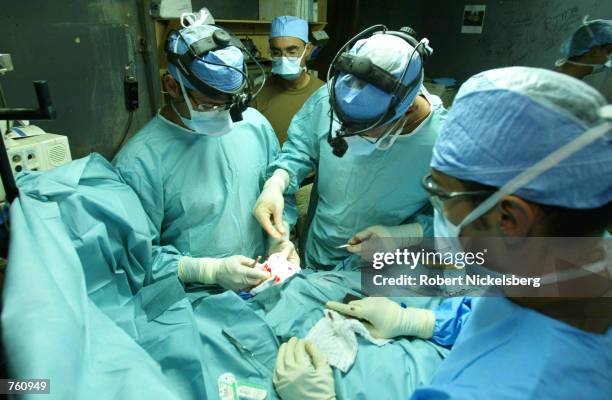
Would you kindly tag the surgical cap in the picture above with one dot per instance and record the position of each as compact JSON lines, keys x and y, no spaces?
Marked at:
{"x":220,"y":77}
{"x":360,"y":101}
{"x":593,"y":33}
{"x":505,"y":120}
{"x":289,"y":26}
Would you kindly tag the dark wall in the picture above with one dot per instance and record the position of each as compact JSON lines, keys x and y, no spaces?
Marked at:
{"x":229,"y":9}
{"x":81,"y":48}
{"x":516,"y":32}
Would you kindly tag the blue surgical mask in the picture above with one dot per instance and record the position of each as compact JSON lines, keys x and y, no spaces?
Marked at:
{"x":289,"y":68}
{"x":210,"y":123}
{"x":446,"y":233}
{"x":361,"y":146}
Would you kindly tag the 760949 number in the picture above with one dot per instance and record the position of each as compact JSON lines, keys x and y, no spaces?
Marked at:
{"x":23,"y":386}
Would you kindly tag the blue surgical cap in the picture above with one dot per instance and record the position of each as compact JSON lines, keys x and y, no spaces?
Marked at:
{"x":593,"y":33}
{"x":505,"y":120}
{"x":289,"y":26}
{"x":360,"y":101}
{"x":220,"y":77}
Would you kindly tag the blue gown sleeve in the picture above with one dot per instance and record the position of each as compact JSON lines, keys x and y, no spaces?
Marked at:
{"x":164,"y":262}
{"x":146,"y":181}
{"x":451,"y":316}
{"x":300,"y":153}
{"x":424,"y":217}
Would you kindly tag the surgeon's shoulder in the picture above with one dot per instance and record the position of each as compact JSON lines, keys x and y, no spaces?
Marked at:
{"x":437,"y":107}
{"x":318,"y":99}
{"x":316,"y":106}
{"x":255,"y":119}
{"x":150,"y":140}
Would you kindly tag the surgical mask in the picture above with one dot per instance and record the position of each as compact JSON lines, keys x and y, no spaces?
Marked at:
{"x":210,"y":123}
{"x":453,"y":232}
{"x":597,"y":68}
{"x":359,"y":145}
{"x":289,"y":68}
{"x":392,"y":134}
{"x":446,"y":233}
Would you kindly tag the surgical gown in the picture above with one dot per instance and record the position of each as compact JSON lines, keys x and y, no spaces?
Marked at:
{"x":85,"y":306}
{"x":505,"y":351}
{"x":356,"y":192}
{"x":199,"y":190}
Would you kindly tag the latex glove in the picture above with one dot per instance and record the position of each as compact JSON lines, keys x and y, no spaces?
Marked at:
{"x":302,"y":372}
{"x":269,"y":207}
{"x":396,"y":237}
{"x":287,"y":248}
{"x":235,"y":272}
{"x":385,"y":319}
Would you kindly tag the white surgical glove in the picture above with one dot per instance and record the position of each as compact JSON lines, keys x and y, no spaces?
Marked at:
{"x":287,"y":248}
{"x":269,"y":207}
{"x":233,"y":273}
{"x":302,"y":373}
{"x":394,"y":237}
{"x":385,"y":319}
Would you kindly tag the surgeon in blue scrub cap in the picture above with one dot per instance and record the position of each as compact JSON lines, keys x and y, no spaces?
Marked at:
{"x":525,"y":152}
{"x":359,"y":195}
{"x":197,"y":172}
{"x":588,"y":50}
{"x":290,"y":48}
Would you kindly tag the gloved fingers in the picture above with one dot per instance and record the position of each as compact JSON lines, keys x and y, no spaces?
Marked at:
{"x":364,"y":235}
{"x":373,"y":331}
{"x":290,"y":352}
{"x":278,"y":220}
{"x":294,"y":258}
{"x":346,"y":309}
{"x":280,"y":360}
{"x":318,"y":360}
{"x":287,"y":251}
{"x":245,"y":261}
{"x":264,"y":216}
{"x":255,"y":275}
{"x":354,"y":248}
{"x":357,"y":239}
{"x":301,"y":357}
{"x":285,"y":248}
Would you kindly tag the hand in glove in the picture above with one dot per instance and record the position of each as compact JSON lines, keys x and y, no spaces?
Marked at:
{"x":235,"y":272}
{"x":394,"y":237}
{"x":287,"y":248}
{"x":385,"y":319}
{"x":269,"y":207}
{"x":302,"y":373}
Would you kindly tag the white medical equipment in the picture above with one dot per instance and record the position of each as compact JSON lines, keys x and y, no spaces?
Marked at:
{"x":36,"y":153}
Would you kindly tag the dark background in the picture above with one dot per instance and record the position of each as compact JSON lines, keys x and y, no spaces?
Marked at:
{"x":82,"y":48}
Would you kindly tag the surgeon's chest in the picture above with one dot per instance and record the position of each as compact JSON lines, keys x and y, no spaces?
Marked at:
{"x":216,"y":174}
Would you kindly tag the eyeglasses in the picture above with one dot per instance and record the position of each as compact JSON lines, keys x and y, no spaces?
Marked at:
{"x":207,"y":107}
{"x":437,"y":195}
{"x":293,"y":52}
